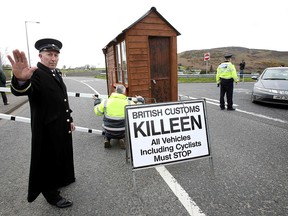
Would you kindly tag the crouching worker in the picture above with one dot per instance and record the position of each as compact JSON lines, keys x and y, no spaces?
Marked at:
{"x":113,"y":110}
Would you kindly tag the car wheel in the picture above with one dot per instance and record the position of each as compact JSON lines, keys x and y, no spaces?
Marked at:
{"x":252,"y":98}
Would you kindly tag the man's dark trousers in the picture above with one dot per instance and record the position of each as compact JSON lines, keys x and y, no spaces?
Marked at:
{"x":226,"y":87}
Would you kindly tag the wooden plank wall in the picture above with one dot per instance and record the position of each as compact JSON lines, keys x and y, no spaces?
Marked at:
{"x":138,"y":52}
{"x":111,"y":69}
{"x":138,"y":59}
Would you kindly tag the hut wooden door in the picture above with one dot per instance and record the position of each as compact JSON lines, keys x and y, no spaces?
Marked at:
{"x":160,"y":68}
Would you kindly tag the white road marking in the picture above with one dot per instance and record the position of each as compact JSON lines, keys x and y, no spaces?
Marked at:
{"x":241,"y":90}
{"x":217,"y":101}
{"x":210,"y":99}
{"x":83,"y":82}
{"x":181,"y":194}
{"x":177,"y":189}
{"x":262,"y":116}
{"x":246,"y":112}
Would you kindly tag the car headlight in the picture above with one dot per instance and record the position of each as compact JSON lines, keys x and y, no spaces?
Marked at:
{"x":274,"y":91}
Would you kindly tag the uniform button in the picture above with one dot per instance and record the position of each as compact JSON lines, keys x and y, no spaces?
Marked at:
{"x":67,"y":111}
{"x":69,"y":131}
{"x":68,"y":120}
{"x":65,"y":99}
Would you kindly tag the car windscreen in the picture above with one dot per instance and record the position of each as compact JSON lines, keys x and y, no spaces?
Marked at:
{"x":275,"y":74}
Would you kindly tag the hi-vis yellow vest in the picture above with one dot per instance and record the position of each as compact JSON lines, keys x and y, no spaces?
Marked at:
{"x":114,"y":107}
{"x":226,"y":70}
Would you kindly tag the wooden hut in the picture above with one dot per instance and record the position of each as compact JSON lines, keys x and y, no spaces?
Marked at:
{"x":143,"y":57}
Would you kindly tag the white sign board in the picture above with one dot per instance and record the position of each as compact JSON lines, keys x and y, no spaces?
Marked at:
{"x":167,"y":132}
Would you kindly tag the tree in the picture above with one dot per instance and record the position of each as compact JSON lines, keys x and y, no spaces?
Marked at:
{"x":1,"y":61}
{"x":1,"y":67}
{"x":87,"y":67}
{"x":3,"y":58}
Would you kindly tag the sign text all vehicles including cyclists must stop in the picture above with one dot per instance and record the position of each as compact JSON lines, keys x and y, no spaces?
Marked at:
{"x":167,"y":132}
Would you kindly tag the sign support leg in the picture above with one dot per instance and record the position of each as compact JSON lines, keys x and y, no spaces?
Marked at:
{"x":211,"y":167}
{"x":134,"y":183}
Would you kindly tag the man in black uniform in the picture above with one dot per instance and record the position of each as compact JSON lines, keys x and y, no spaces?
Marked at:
{"x":52,"y":165}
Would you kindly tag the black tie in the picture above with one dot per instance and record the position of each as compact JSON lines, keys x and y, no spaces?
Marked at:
{"x":56,"y":75}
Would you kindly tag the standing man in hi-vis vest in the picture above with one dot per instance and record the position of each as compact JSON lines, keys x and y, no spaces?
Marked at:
{"x":225,"y":78}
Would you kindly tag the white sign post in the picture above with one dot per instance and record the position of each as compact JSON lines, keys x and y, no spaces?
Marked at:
{"x":166,"y":133}
{"x":206,"y":59}
{"x":206,"y":56}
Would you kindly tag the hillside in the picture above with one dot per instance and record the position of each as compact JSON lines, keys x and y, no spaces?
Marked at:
{"x":256,"y":59}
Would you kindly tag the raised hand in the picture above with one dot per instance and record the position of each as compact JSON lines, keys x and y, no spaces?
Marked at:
{"x":20,"y":67}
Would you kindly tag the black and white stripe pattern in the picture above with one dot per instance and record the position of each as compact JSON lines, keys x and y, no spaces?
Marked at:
{"x":5,"y":89}
{"x":88,"y":130}
{"x":14,"y":118}
{"x":85,"y":95}
{"x":77,"y":94}
{"x":28,"y":120}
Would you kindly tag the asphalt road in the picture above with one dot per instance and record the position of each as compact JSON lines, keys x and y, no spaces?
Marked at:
{"x":249,"y":152}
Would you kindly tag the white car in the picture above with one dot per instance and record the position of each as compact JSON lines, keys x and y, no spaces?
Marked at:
{"x":271,"y":86}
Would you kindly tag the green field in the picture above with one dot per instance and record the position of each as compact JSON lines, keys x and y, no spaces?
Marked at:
{"x":193,"y":79}
{"x":205,"y":80}
{"x":180,"y":79}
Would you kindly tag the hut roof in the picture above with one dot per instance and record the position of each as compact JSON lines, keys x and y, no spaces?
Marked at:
{"x":153,"y":9}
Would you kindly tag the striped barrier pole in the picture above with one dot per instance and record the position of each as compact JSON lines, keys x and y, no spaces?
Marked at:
{"x":76,"y":94}
{"x":28,"y":120}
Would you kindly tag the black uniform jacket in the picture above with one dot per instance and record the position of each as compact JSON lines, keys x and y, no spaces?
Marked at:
{"x":52,"y":164}
{"x":2,"y":79}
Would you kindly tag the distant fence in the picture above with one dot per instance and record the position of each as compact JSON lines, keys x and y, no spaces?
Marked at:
{"x":103,"y":72}
{"x":81,"y":72}
{"x":84,"y":73}
{"x":213,"y":75}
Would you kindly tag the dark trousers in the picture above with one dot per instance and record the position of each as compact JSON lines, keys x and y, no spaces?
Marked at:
{"x":114,"y":134}
{"x":4,"y":97}
{"x":241,"y":73}
{"x":226,"y":87}
{"x":52,"y":196}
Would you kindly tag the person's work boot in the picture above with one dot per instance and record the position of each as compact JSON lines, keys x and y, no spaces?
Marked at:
{"x":122,"y":143}
{"x":107,"y":144}
{"x":63,"y":203}
{"x":231,"y":109}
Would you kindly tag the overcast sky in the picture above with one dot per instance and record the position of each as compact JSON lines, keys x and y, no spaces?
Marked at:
{"x":85,"y":27}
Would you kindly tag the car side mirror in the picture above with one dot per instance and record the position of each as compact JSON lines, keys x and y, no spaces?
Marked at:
{"x":254,"y":77}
